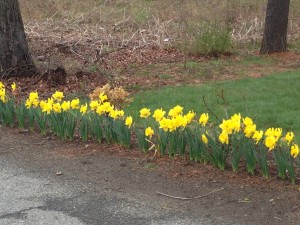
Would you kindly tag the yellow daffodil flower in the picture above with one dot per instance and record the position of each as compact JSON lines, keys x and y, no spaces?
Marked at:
{"x":294,"y":150}
{"x":107,"y":107}
{"x":276,"y":132}
{"x":270,"y":142}
{"x":58,"y":96}
{"x":83,"y":109}
{"x":75,"y":103}
{"x":66,"y":105}
{"x":13,"y":86}
{"x":177,"y":110}
{"x":236,"y":122}
{"x":149,"y":132}
{"x":163,"y":124}
{"x":145,"y":113}
{"x":247,"y":121}
{"x":289,"y":137}
{"x":102,"y":97}
{"x":228,"y":126}
{"x":204,"y":138}
{"x":128,"y":121}
{"x":257,"y":136}
{"x":56,"y":107}
{"x":158,"y":114}
{"x":120,"y":113}
{"x":224,"y":137}
{"x":47,"y":107}
{"x":180,"y":121}
{"x":190,"y":116}
{"x":203,"y":119}
{"x":3,"y":97}
{"x":93,"y":105}
{"x":113,"y":114}
{"x":33,"y":95}
{"x":100,"y":109}
{"x":249,"y":130}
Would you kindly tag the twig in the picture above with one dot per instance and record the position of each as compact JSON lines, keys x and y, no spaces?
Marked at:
{"x":209,"y":193}
{"x":244,"y":98}
{"x":277,"y":218}
{"x":187,"y":198}
{"x":34,"y":82}
{"x":207,"y":108}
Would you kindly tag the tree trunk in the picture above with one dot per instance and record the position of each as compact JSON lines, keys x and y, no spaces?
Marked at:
{"x":276,"y":24}
{"x":15,"y":59}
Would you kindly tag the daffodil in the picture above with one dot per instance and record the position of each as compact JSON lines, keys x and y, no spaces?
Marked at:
{"x":171,"y":123}
{"x":33,"y":95}
{"x":249,"y":130}
{"x":56,"y":107}
{"x":93,"y":105}
{"x":276,"y":132}
{"x":289,"y":137}
{"x":58,"y":96}
{"x":83,"y":109}
{"x":180,"y":121}
{"x":113,"y":114}
{"x":257,"y":136}
{"x":107,"y":107}
{"x":47,"y":107}
{"x":32,"y":100}
{"x":204,"y":138}
{"x":75,"y":103}
{"x":236,"y":122}
{"x":163,"y":124}
{"x":100,"y":109}
{"x":190,"y":116}
{"x":158,"y":114}
{"x":203,"y":119}
{"x":247,"y":121}
{"x":224,"y":137}
{"x":66,"y":105}
{"x":177,"y":110}
{"x":103,"y":97}
{"x":42,"y":104}
{"x":3,"y":97}
{"x":145,"y":113}
{"x":128,"y":121}
{"x":149,"y":132}
{"x":270,"y":142}
{"x":227,"y":126}
{"x":13,"y":86}
{"x":294,"y":150}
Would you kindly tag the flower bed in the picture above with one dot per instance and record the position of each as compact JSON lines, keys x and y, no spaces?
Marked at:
{"x":236,"y":141}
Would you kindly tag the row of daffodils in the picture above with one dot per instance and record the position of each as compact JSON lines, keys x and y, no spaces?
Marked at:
{"x":236,"y":141}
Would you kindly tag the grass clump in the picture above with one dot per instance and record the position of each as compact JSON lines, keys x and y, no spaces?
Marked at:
{"x":211,"y":40}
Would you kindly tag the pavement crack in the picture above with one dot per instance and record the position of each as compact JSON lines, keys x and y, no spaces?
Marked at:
{"x":21,"y":214}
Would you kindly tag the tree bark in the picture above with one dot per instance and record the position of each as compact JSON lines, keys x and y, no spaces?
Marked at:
{"x":276,"y":24}
{"x":15,"y":59}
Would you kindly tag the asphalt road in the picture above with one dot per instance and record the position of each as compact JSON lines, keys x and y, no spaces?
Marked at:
{"x":31,"y":199}
{"x":48,"y":182}
{"x":32,"y":191}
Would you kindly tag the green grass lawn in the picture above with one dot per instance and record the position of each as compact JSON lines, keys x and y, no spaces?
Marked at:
{"x":273,"y":101}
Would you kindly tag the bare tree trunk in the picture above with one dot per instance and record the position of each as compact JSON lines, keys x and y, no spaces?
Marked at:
{"x":276,"y":24}
{"x":15,"y":59}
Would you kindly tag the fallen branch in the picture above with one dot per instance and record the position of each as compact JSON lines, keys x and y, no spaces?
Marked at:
{"x":191,"y":198}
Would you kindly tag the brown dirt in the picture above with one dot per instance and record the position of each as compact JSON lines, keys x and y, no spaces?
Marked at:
{"x":140,"y":68}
